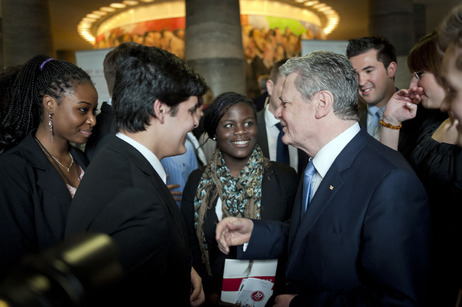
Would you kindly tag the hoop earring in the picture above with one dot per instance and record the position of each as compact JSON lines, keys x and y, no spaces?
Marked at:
{"x":50,"y":126}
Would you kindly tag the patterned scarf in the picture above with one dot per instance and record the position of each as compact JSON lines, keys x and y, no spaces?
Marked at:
{"x":241,"y":197}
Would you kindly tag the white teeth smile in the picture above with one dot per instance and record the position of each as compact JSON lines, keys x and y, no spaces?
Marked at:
{"x":240,"y":142}
{"x":367,"y":90}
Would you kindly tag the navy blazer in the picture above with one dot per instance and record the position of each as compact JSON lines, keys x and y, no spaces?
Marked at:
{"x":123,"y":196}
{"x":365,"y":239}
{"x":34,"y":200}
{"x":262,"y":140}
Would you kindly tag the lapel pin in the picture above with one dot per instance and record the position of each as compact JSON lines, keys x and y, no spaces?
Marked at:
{"x":331,"y":187}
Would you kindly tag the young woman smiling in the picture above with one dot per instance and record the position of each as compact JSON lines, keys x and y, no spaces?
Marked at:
{"x":52,"y":104}
{"x":239,"y":181}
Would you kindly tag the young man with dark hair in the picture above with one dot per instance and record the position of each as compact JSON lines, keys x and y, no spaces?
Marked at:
{"x":123,"y":193}
{"x":374,"y":60}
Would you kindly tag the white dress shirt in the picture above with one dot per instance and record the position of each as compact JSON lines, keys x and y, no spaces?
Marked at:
{"x":327,"y":155}
{"x":272,"y":133}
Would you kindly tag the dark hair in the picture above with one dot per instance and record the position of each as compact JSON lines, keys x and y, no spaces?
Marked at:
{"x":113,"y":59}
{"x":220,"y":106}
{"x":425,"y":55}
{"x":274,"y":73}
{"x":385,"y":51}
{"x":39,"y":76}
{"x":7,"y":77}
{"x":450,"y":31}
{"x":150,"y":74}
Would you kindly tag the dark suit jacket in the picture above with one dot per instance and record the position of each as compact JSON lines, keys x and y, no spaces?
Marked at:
{"x":364,"y":240}
{"x":105,"y":127}
{"x":34,"y":201}
{"x":123,"y":196}
{"x":279,"y":186}
{"x":262,"y":140}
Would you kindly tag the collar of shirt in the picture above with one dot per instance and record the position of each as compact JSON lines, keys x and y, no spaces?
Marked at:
{"x":149,"y":155}
{"x":109,"y":101}
{"x":327,"y":155}
{"x":270,"y":120}
{"x":371,"y":110}
{"x":197,"y":148}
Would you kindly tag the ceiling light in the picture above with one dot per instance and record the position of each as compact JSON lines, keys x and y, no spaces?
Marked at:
{"x":130,"y":2}
{"x":107,"y":9}
{"x":99,"y":13}
{"x":311,"y":3}
{"x":117,"y":5}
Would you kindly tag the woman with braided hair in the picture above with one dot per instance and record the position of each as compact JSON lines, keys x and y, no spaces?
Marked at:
{"x":52,"y":103}
{"x":238,"y":181}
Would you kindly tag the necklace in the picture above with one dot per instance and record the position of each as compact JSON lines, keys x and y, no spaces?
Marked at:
{"x":56,"y":160}
{"x":67,"y":168}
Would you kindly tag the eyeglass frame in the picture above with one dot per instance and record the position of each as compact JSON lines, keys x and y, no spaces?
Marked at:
{"x":418,"y":74}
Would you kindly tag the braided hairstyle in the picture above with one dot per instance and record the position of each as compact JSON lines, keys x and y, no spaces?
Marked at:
{"x":7,"y":77}
{"x":39,"y":76}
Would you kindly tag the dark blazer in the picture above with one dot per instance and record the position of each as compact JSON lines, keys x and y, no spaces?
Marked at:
{"x":262,"y":140}
{"x":34,"y":201}
{"x":364,"y":240}
{"x":279,"y":186}
{"x":105,"y":127}
{"x":123,"y":196}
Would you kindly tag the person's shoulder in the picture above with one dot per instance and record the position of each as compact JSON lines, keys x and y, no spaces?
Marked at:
{"x":383,"y":157}
{"x":21,"y":154}
{"x":13,"y":159}
{"x":196,"y":174}
{"x":282,"y":170}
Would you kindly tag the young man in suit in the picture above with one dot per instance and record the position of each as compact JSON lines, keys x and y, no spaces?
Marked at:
{"x":374,"y":60}
{"x":359,"y":233}
{"x":267,"y":124}
{"x":123,"y":193}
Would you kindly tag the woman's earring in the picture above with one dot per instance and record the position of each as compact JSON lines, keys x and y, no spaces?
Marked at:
{"x":50,"y":125}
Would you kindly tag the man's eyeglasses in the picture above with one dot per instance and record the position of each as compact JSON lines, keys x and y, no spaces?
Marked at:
{"x":418,"y":74}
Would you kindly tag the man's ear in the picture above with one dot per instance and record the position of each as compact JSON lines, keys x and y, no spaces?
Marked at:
{"x":49,"y":104}
{"x":160,"y":110}
{"x":269,"y":87}
{"x":325,"y":103}
{"x":391,"y":70}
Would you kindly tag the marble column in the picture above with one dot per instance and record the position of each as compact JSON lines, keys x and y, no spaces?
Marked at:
{"x":213,"y":43}
{"x":26,"y":30}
